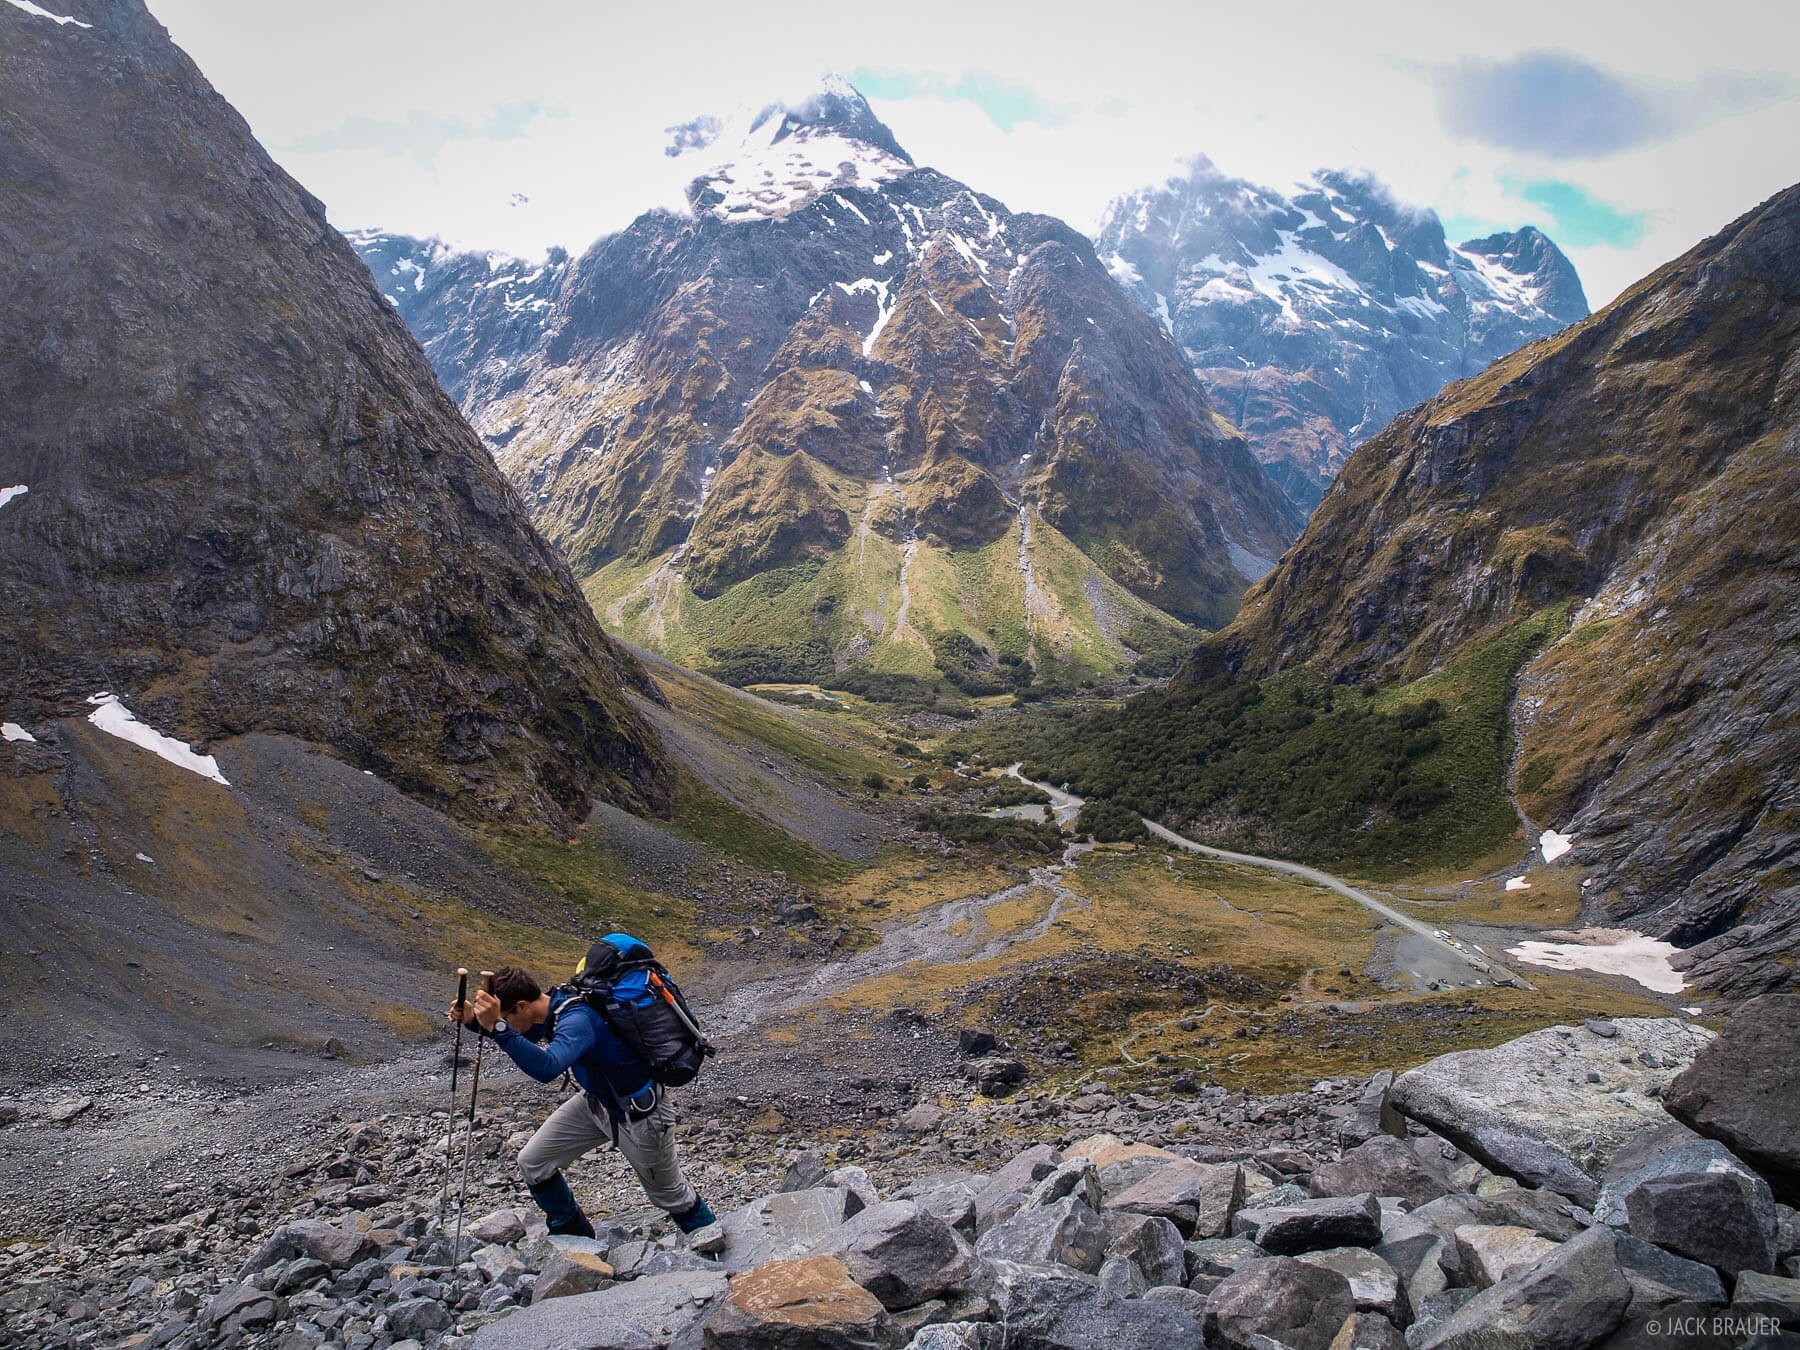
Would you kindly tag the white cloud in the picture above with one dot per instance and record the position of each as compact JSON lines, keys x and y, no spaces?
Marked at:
{"x":1267,"y":94}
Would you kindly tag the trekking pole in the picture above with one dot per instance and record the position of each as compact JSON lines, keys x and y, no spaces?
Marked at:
{"x":462,"y":994}
{"x":469,"y":1134}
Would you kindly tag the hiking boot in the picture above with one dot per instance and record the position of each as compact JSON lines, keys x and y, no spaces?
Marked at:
{"x":579,"y":1226}
{"x":698,"y":1217}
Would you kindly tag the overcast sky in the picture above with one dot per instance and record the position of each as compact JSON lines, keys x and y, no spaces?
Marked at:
{"x":1627,"y":131}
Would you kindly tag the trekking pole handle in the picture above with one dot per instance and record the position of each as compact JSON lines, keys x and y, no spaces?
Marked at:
{"x":462,"y":985}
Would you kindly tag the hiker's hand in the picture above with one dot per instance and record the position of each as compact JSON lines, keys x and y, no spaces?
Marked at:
{"x":487,"y":1010}
{"x":459,"y":1012}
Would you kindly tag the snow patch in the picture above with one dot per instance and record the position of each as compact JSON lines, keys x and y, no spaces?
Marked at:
{"x":58,"y":19}
{"x":884,"y":306}
{"x":1555,"y":845}
{"x":1633,"y":955}
{"x":12,"y":731}
{"x":145,"y":858}
{"x":1517,"y":884}
{"x":8,"y":493}
{"x":114,"y":718}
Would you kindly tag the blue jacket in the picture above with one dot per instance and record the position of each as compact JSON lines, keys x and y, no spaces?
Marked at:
{"x":582,"y":1042}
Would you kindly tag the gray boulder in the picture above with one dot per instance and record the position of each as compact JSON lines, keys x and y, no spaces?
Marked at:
{"x":1503,"y":1200}
{"x":1383,"y":1165}
{"x":1374,"y":1285}
{"x":1774,"y":1293}
{"x":1572,"y":1299}
{"x":899,"y":1253}
{"x":1058,"y":1309}
{"x":1067,"y":1232}
{"x":1281,"y":1301}
{"x":1152,"y":1244}
{"x":1742,"y":1089}
{"x":1488,"y":1253}
{"x":1198,"y":1198}
{"x":1706,"y":1216}
{"x":1369,"y":1331}
{"x":1552,"y":1107}
{"x":1220,"y":1256}
{"x":1006,"y":1190}
{"x":1658,"y":1278}
{"x":1416,"y":1251}
{"x":1686,"y":1157}
{"x":416,"y":1318}
{"x":1373,"y":1114}
{"x":648,"y":1314}
{"x":1076,"y":1177}
{"x":569,"y":1272}
{"x":1312,"y":1225}
{"x":338,"y":1248}
{"x":779,"y":1226}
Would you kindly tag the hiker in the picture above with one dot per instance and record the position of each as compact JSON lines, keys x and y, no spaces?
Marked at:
{"x":619,"y":1101}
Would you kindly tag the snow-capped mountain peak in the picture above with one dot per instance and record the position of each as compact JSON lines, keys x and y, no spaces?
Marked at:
{"x":787,"y":154}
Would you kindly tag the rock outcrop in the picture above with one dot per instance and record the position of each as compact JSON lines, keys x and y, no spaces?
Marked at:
{"x":247,"y":506}
{"x":1637,"y":469}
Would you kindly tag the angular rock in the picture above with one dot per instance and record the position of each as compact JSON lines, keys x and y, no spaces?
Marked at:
{"x":1684,"y":1158}
{"x":1278,"y":1300}
{"x":1573,"y":1298}
{"x":1373,"y":1114}
{"x":1067,"y":1232}
{"x":1708,"y":1217}
{"x":1103,"y":1150}
{"x":1152,"y":1244}
{"x":1006,"y":1190}
{"x":571,"y":1272}
{"x":1491,"y":1252}
{"x":336,"y":1247}
{"x":1530,"y":1108}
{"x":417,"y":1318}
{"x":1503,"y":1200}
{"x":1312,"y":1225}
{"x":503,"y":1225}
{"x":646,"y":1314}
{"x":1416,"y":1250}
{"x":1198,"y":1198}
{"x":782,"y":1225}
{"x":806,"y":1304}
{"x":1059,"y":1309}
{"x":1775,"y":1293}
{"x":244,"y":1303}
{"x":1658,"y":1278}
{"x":1374,"y":1284}
{"x":996,"y":1076}
{"x":1075,"y":1177}
{"x":899,"y":1253}
{"x":922,"y":1119}
{"x":1193,"y":1303}
{"x":1741,"y":1089}
{"x":1383,"y":1165}
{"x":1369,"y":1331}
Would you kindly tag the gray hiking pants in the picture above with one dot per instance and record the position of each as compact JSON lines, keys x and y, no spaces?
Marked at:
{"x":648,"y":1143}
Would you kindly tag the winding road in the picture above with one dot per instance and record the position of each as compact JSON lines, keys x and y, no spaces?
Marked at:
{"x":1066,"y":805}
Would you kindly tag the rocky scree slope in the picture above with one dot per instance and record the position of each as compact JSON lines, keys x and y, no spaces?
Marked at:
{"x":1393,"y":1213}
{"x":1313,"y":317}
{"x":247,"y":504}
{"x":863,"y":377}
{"x":1641,"y":468}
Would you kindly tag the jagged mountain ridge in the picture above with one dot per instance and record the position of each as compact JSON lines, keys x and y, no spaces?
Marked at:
{"x":1640,"y":467}
{"x":248,"y":506}
{"x":1313,"y":318}
{"x":850,"y":373}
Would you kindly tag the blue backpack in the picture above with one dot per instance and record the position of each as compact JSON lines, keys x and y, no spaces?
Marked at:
{"x":622,"y":980}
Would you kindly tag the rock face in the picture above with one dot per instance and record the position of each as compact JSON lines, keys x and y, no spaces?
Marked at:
{"x":250,"y":507}
{"x":1528,"y":1107}
{"x":1744,"y":1090}
{"x":1638,"y":467}
{"x":1313,"y":318}
{"x":772,"y":434}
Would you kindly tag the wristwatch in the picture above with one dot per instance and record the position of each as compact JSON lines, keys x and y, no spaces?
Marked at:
{"x":499,"y":1027}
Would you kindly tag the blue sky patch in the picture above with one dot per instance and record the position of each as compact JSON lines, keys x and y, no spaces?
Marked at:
{"x":1577,"y":218}
{"x":1005,"y":102}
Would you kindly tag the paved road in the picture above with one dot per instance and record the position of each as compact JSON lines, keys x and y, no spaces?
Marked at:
{"x":1066,"y":805}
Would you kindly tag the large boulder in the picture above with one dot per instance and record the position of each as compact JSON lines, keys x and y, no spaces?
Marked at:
{"x":648,"y":1314}
{"x":570,"y":1272}
{"x":809,"y":1304}
{"x":1374,"y":1284}
{"x":1572,"y":1299}
{"x":899,"y":1253}
{"x":1491,"y":1252}
{"x":1007,"y":1189}
{"x":1103,"y":1150}
{"x":1067,"y":1232}
{"x":1658,"y":1278}
{"x":1038,"y":1308}
{"x":1312,"y":1225}
{"x":1373,"y":1114}
{"x":1279,"y":1301}
{"x":1692,"y":1157}
{"x":1744,"y":1087}
{"x":1152,"y":1245}
{"x":783,"y":1225}
{"x":338,"y":1248}
{"x":1383,"y":1165}
{"x":1198,"y":1198}
{"x":1552,"y":1107}
{"x":1706,"y":1216}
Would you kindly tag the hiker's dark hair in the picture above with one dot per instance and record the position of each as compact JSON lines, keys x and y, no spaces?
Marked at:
{"x":513,"y":985}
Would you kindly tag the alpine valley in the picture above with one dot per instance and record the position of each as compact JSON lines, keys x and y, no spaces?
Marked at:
{"x":308,"y":698}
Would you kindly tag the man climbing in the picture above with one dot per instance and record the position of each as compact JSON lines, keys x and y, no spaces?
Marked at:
{"x":618,"y":1101}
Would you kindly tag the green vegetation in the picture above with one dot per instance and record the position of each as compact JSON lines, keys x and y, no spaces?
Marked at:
{"x":1002,"y":832}
{"x":1012,"y":792}
{"x":708,"y":819}
{"x":1384,"y":780}
{"x":1107,"y":822}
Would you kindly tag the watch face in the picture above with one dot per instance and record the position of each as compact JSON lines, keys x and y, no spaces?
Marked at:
{"x":501,"y":1026}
